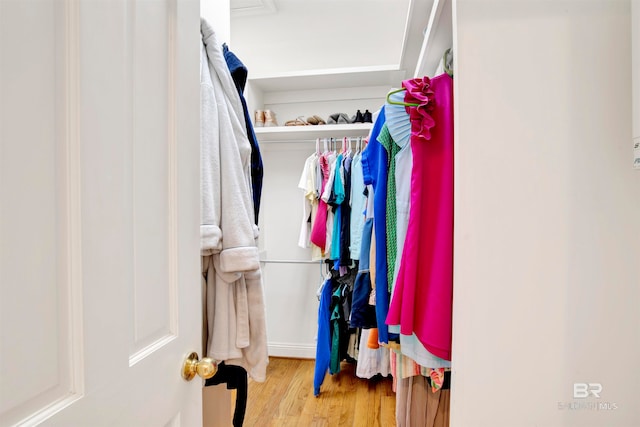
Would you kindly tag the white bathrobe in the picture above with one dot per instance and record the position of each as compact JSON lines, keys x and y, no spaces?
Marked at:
{"x":232,"y":279}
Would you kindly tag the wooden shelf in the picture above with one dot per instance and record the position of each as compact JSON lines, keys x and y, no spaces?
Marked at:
{"x":310,"y":133}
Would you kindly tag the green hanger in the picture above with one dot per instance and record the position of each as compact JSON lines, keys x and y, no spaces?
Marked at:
{"x":445,"y":64}
{"x":406,"y":104}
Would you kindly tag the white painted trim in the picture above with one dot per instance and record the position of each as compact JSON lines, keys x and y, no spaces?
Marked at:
{"x":328,"y":71}
{"x":437,"y":38}
{"x":376,"y":75}
{"x":309,"y":133}
{"x":74,"y":202}
{"x":172,"y":164}
{"x":635,"y":67}
{"x":49,"y":411}
{"x":407,"y":30}
{"x":298,"y":351}
{"x":416,"y":26}
{"x":150,"y":349}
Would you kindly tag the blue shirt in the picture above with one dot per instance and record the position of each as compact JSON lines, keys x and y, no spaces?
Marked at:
{"x":323,"y":345}
{"x":357,"y":206}
{"x":375,"y":168}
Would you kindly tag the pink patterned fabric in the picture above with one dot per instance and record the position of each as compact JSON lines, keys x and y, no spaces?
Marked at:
{"x":437,"y":378}
{"x":424,"y":290}
{"x":319,"y":230}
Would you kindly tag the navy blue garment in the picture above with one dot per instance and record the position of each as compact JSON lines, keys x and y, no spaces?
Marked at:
{"x":345,"y":212}
{"x":323,"y":346}
{"x":363,"y":315}
{"x":239,"y":74}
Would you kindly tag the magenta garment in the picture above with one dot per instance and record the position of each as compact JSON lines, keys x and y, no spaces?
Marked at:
{"x":423,"y":295}
{"x":319,"y":229}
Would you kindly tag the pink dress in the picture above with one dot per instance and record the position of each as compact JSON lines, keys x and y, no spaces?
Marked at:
{"x":423,"y":295}
{"x":319,"y":229}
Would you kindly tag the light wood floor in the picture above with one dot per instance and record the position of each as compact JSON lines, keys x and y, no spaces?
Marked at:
{"x":286,"y":398}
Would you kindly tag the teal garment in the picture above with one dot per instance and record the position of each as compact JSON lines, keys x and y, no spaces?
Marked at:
{"x":334,"y":366}
{"x":338,"y":193}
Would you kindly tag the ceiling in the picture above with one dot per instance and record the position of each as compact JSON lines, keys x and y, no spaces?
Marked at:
{"x":251,"y":7}
{"x":283,"y":36}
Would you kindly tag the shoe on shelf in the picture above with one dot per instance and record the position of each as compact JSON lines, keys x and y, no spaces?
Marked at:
{"x":338,"y":118}
{"x":315,"y":120}
{"x":367,"y":117}
{"x":258,"y":120}
{"x":299,"y":121}
{"x":358,"y":118}
{"x":270,"y":118}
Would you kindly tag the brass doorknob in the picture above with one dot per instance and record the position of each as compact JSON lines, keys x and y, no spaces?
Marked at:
{"x":205,"y":368}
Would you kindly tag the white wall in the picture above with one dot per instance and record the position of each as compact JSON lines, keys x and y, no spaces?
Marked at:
{"x":547,"y":243}
{"x":324,"y":102}
{"x":290,"y":289}
{"x":635,"y":23}
{"x":218,"y":13}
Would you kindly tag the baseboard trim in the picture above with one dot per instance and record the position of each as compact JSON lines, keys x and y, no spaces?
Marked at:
{"x":298,"y":351}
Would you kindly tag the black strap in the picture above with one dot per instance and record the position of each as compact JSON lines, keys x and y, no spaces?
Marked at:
{"x":236,"y":379}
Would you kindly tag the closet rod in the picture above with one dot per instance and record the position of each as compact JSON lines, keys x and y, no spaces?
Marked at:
{"x":286,"y":140}
{"x":289,"y":261}
{"x":339,"y":139}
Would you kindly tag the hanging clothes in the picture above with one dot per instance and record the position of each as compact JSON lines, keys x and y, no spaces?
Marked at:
{"x":399,"y":125}
{"x":308,"y":184}
{"x":335,"y":201}
{"x":375,"y":171}
{"x":239,"y":74}
{"x":323,"y":344}
{"x":372,"y":359}
{"x":372,"y":362}
{"x":423,"y":295}
{"x":336,"y":320}
{"x":234,"y":292}
{"x":392,"y":149}
{"x":319,"y":228}
{"x":328,"y":196}
{"x":363,"y":315}
{"x":345,"y":214}
{"x":418,"y":405}
{"x":357,"y":206}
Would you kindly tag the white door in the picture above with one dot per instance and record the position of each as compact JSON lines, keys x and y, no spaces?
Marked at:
{"x":99,"y":217}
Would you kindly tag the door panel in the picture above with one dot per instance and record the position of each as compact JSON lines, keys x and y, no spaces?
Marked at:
{"x":37,"y":339}
{"x":153,"y":131}
{"x":99,"y":166}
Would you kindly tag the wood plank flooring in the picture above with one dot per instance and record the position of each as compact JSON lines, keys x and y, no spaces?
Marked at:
{"x":286,"y":398}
